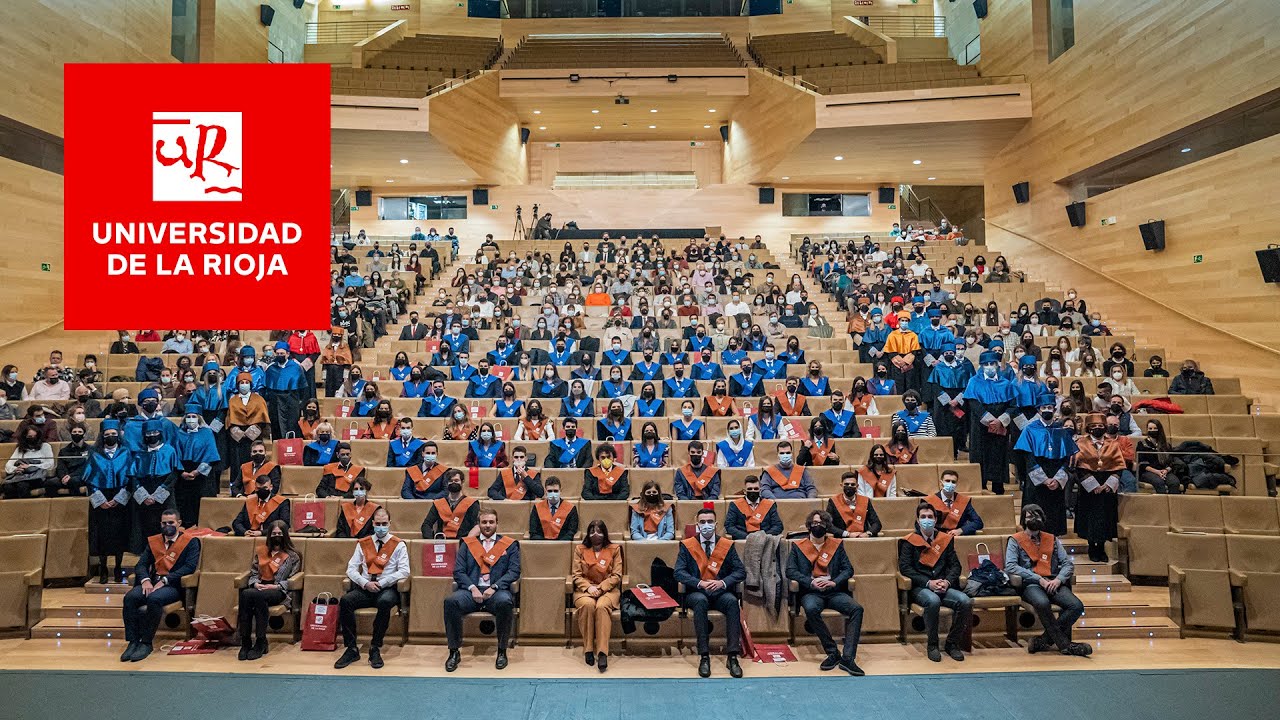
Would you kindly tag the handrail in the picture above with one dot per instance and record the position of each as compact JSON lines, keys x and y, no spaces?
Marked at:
{"x":1101,"y":273}
{"x":271,"y":58}
{"x":336,"y":32}
{"x":912,"y":84}
{"x":909,"y":25}
{"x":793,"y":79}
{"x":971,"y":59}
{"x":453,"y":81}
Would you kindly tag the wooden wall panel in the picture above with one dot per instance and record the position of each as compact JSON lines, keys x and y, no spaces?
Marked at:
{"x":41,"y":36}
{"x":771,"y":122}
{"x":31,"y":234}
{"x":238,"y":33}
{"x":473,"y":122}
{"x":1140,"y":70}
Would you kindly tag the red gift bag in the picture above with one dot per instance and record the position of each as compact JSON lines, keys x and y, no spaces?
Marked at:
{"x":308,"y":514}
{"x":352,"y":432}
{"x":193,"y":647}
{"x":433,"y":346}
{"x":869,"y":430}
{"x":503,"y":372}
{"x":320,"y":624}
{"x":479,"y":411}
{"x":798,"y":430}
{"x":289,"y":450}
{"x":343,"y":410}
{"x":653,"y":598}
{"x":213,"y":630}
{"x":746,"y":410}
{"x":438,"y":556}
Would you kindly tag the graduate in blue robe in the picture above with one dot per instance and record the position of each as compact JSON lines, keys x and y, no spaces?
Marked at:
{"x":464,"y":370}
{"x":249,"y":364}
{"x":321,"y":451}
{"x":416,"y":386}
{"x":551,"y":385}
{"x":211,"y":396}
{"x":934,"y":338}
{"x":156,"y":470}
{"x":675,"y":356}
{"x":989,"y":404}
{"x":561,"y":356}
{"x":871,"y":348}
{"x":402,"y":450}
{"x":283,"y":390}
{"x":507,"y":406}
{"x":107,"y":479}
{"x":501,"y":355}
{"x":770,"y":368}
{"x":840,"y":422}
{"x":679,"y":386}
{"x":1047,"y":446}
{"x":687,"y":427}
{"x":1027,"y":389}
{"x":732,"y":354}
{"x":615,"y":355}
{"x":484,"y":384}
{"x":815,"y":384}
{"x":201,"y":465}
{"x":436,"y":404}
{"x":148,"y":409}
{"x":649,"y":404}
{"x":646,"y":369}
{"x":747,"y":382}
{"x":947,"y":381}
{"x":570,"y":451}
{"x":649,"y":452}
{"x":577,"y":403}
{"x":699,"y":342}
{"x":486,"y":453}
{"x":705,"y":369}
{"x":615,"y":426}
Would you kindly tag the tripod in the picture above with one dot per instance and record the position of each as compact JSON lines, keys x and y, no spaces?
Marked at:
{"x":519,"y":232}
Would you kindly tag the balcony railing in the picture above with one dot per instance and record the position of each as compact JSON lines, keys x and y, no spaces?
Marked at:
{"x":909,"y":25}
{"x":342,"y":32}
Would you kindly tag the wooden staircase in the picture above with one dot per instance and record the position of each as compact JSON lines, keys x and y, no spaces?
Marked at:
{"x":88,"y":613}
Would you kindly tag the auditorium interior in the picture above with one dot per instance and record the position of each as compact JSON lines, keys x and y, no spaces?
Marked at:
{"x":1097,"y":176}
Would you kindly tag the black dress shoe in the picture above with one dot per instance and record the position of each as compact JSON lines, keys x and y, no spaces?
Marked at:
{"x":591,"y":658}
{"x":144,"y":649}
{"x":349,"y":656}
{"x":704,"y":666}
{"x":451,"y":663}
{"x":934,"y":655}
{"x":851,"y":667}
{"x":954,"y":652}
{"x":501,"y":661}
{"x":735,"y":670}
{"x":375,"y":658}
{"x":127,"y":655}
{"x":829,"y":663}
{"x":262,"y":646}
{"x":602,"y":662}
{"x":244,"y":652}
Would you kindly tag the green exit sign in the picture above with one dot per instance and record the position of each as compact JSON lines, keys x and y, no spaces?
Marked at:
{"x":1197,"y":259}
{"x":493,"y":207}
{"x":45,"y":267}
{"x":354,"y":208}
{"x":893,"y":207}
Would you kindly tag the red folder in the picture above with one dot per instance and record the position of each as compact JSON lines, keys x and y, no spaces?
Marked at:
{"x":653,"y":598}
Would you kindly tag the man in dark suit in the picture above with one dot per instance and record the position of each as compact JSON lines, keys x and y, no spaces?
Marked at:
{"x":928,"y":559}
{"x":414,"y":330}
{"x":709,"y":569}
{"x":157,"y":581}
{"x":820,"y":567}
{"x":486,"y":568}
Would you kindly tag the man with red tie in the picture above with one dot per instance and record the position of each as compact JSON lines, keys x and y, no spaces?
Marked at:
{"x":486,"y":568}
{"x":709,"y":569}
{"x":820,"y":567}
{"x":378,"y":564}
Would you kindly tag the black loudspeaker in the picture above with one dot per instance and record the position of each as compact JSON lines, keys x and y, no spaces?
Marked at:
{"x":364,"y":198}
{"x":297,"y":4}
{"x":1152,"y":234}
{"x":724,"y":133}
{"x":524,"y":136}
{"x":610,"y":8}
{"x":764,"y":7}
{"x":266,"y":13}
{"x":1269,"y":264}
{"x":1022,"y":192}
{"x":480,"y":196}
{"x":766,"y":196}
{"x":484,"y":8}
{"x":980,"y":8}
{"x":1075,"y":213}
{"x":886,"y":196}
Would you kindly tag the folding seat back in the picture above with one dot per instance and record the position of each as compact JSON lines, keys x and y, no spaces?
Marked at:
{"x":665,"y":477}
{"x":997,"y":513}
{"x":407,"y":516}
{"x":792,"y":513}
{"x":544,"y":565}
{"x":1199,"y":582}
{"x":1189,"y":513}
{"x":427,"y":594}
{"x":1255,"y":569}
{"x":513,"y":516}
{"x":1236,"y":425}
{"x":67,"y":554}
{"x":897,"y":515}
{"x":219,"y":512}
{"x":222,"y":560}
{"x":935,"y":450}
{"x":299,"y":479}
{"x":1250,"y":516}
{"x":385,"y":481}
{"x":1250,"y":472}
{"x":638,"y":557}
{"x":615,"y":513}
{"x":24,"y":517}
{"x":875,"y":583}
{"x":921,"y":478}
{"x":969,"y":480}
{"x":21,"y":578}
{"x":1223,"y":404}
{"x":327,"y":560}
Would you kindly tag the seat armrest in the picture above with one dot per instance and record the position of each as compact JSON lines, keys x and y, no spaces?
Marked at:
{"x":346,"y":584}
{"x":1238,"y":578}
{"x":35,"y":578}
{"x":297,"y":580}
{"x":904,"y":582}
{"x":242,"y":580}
{"x":793,"y":586}
{"x":1176,"y":575}
{"x":402,"y":585}
{"x":192,"y":580}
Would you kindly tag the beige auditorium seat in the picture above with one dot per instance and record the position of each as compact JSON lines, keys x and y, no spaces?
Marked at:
{"x":1143,"y":530}
{"x":544,"y":567}
{"x":997,"y":513}
{"x":21,"y":582}
{"x":427,"y":594}
{"x":67,"y":554}
{"x":638,"y":558}
{"x":24,"y":517}
{"x":1190,"y":513}
{"x":897,"y":515}
{"x":278,"y":613}
{"x":1200,"y":584}
{"x":1255,"y":573}
{"x":222,"y":561}
{"x":877,"y":586}
{"x":1250,"y":516}
{"x":513,"y":516}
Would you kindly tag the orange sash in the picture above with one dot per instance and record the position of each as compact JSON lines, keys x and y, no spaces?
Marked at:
{"x":699,"y":481}
{"x":165,"y":559}
{"x":820,"y":558}
{"x":652,"y":517}
{"x":861,"y":405}
{"x":596,"y":564}
{"x":720,"y":405}
{"x":356,"y":519}
{"x":258,"y":511}
{"x":789,"y":408}
{"x":709,"y":567}
{"x":1041,"y":555}
{"x":421,"y":480}
{"x":903,"y":456}
{"x":854,"y":516}
{"x":949,"y":517}
{"x":451,"y":518}
{"x":380,"y":431}
{"x":552,"y":524}
{"x":516,"y":490}
{"x":308,"y":428}
{"x":375,"y":562}
{"x":486,"y":560}
{"x":342,"y":479}
{"x":605,"y":480}
{"x":249,"y":478}
{"x":879,"y":483}
{"x":819,"y":453}
{"x":786,"y":482}
{"x":754,"y":517}
{"x":269,"y":563}
{"x":533,"y":430}
{"x":930,"y":557}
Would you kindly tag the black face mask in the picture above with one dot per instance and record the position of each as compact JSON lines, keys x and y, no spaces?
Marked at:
{"x":1034,"y":524}
{"x":153,"y":439}
{"x":791,"y":389}
{"x":508,"y":392}
{"x":652,"y":498}
{"x":110,"y":441}
{"x":264,"y":493}
{"x":77,"y":437}
{"x":882,"y":373}
{"x":455,"y":487}
{"x":1117,"y":409}
{"x":1097,"y":432}
{"x":1046,"y":415}
{"x":752,"y":496}
{"x":259,"y":457}
{"x":818,"y":530}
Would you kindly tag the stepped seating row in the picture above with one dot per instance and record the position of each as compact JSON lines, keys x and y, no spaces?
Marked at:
{"x":386,"y":82}
{"x":452,"y":54}
{"x":623,"y":52}
{"x":1146,"y":520}
{"x":1225,"y":584}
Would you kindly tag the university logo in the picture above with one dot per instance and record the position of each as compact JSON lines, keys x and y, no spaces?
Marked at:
{"x":197,"y":156}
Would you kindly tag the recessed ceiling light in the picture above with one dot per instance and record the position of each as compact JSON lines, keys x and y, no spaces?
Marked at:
{"x":402,"y":161}
{"x":654,"y":110}
{"x":711,"y":110}
{"x":786,"y":177}
{"x":542,"y":127}
{"x":391,"y":181}
{"x":1186,"y":149}
{"x":653,"y":127}
{"x":595,"y":112}
{"x":537,"y":112}
{"x":706,"y":127}
{"x":839,"y":157}
{"x":915,"y":162}
{"x":933,"y":178}
{"x":596,"y":127}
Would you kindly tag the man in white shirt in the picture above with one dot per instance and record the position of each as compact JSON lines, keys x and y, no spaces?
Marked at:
{"x":51,"y":387}
{"x":737,"y":306}
{"x":377,"y":565}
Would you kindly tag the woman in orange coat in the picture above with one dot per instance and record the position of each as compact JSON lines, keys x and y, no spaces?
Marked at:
{"x":596,"y":576}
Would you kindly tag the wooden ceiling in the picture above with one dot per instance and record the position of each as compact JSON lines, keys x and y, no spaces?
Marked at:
{"x":369,"y":158}
{"x":572,"y":119}
{"x":949,"y":153}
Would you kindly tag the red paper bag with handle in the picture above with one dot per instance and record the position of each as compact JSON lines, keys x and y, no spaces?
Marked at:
{"x":308,"y":514}
{"x":344,"y":410}
{"x":289,"y":450}
{"x":212,"y":630}
{"x":438,"y":556}
{"x":869,"y":430}
{"x":320,"y":624}
{"x":351,"y":432}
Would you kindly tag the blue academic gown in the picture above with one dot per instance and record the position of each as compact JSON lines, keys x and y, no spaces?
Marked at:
{"x":486,"y":456}
{"x":646,"y":458}
{"x":504,"y":409}
{"x":811,"y":388}
{"x":687,"y":430}
{"x":651,"y":408}
{"x":732,"y":357}
{"x":484,"y":386}
{"x":772,"y":369}
{"x":402,"y":454}
{"x":671,"y":387}
{"x":643,"y":371}
{"x":436,"y":407}
{"x":579,"y":409}
{"x":705,"y":371}
{"x":840,"y":423}
{"x":131,"y":433}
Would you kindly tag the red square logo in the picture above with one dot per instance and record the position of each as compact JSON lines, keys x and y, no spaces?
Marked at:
{"x":197,"y":196}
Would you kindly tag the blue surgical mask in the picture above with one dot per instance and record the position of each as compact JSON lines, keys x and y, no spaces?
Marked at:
{"x":926,"y":524}
{"x":359,"y":493}
{"x":686,"y":412}
{"x":486,"y":436}
{"x":406,"y":433}
{"x":553,"y":496}
{"x":429,"y":457}
{"x":735,"y":433}
{"x":381,"y":530}
{"x":948,"y":487}
{"x":784,"y":458}
{"x":707,"y":530}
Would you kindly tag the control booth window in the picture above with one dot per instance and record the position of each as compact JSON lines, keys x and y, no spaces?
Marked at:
{"x":826,"y":204}
{"x":423,"y":207}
